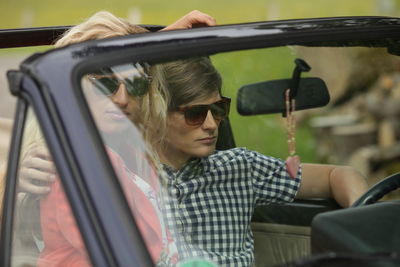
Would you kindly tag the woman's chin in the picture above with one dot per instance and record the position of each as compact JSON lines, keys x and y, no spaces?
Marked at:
{"x":204,"y":152}
{"x":113,"y":128}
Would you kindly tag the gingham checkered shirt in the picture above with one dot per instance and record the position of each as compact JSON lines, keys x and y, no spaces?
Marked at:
{"x":212,"y":199}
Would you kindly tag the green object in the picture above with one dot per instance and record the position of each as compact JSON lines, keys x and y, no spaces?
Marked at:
{"x":198,"y":263}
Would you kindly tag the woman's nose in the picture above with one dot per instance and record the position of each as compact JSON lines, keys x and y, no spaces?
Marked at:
{"x":210,"y":122}
{"x":121,"y":96}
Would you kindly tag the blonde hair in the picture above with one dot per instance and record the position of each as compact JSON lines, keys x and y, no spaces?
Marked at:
{"x":153,"y":105}
{"x":101,"y":25}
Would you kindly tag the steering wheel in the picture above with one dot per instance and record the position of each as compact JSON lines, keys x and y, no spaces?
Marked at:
{"x":379,"y":190}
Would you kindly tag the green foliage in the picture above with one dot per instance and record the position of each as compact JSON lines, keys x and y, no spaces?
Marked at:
{"x":18,"y":13}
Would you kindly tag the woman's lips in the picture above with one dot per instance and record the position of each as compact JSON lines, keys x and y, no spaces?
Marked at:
{"x":116,"y":115}
{"x":208,"y":140}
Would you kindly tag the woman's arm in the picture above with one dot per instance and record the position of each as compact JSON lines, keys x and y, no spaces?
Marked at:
{"x":37,"y":171}
{"x":193,"y":19}
{"x":343,"y":183}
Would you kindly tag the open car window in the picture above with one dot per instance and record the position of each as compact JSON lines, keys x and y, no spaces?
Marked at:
{"x":361,"y":114}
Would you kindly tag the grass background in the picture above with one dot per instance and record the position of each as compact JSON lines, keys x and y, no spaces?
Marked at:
{"x":267,"y":133}
{"x":17,"y":13}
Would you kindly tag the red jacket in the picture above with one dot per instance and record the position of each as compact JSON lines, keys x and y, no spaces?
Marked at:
{"x":63,"y":243}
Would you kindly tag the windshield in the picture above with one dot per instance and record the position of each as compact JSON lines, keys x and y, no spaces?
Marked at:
{"x":116,"y":96}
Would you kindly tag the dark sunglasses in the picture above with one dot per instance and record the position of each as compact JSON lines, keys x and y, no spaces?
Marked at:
{"x":197,"y":114}
{"x":108,"y":84}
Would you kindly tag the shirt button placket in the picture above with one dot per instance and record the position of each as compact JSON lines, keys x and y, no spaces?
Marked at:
{"x":179,"y":207}
{"x":177,"y":193}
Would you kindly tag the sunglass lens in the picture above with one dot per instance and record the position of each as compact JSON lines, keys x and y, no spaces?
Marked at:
{"x":196,"y":115}
{"x":137,"y":87}
{"x":219,"y":110}
{"x":107,"y":86}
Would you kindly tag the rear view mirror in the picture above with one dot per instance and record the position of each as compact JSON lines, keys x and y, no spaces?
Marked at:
{"x":268,"y":97}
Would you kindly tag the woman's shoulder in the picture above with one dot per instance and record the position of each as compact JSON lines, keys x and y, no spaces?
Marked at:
{"x":239,"y":154}
{"x":233,"y":154}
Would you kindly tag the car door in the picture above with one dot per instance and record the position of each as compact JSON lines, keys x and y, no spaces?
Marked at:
{"x":21,"y":243}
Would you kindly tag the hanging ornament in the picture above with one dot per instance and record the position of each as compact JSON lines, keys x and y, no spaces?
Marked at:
{"x":292,"y":161}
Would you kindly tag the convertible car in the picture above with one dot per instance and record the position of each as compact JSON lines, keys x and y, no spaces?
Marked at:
{"x":344,"y":75}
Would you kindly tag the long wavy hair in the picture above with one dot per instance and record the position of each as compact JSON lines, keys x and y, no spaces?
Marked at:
{"x":153,"y":107}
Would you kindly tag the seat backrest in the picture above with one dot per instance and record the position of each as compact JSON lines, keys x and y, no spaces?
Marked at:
{"x":225,"y":136}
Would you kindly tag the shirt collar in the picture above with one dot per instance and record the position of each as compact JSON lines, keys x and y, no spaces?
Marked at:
{"x":191,"y":169}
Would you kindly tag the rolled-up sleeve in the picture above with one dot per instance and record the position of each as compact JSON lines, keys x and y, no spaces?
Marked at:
{"x":271,"y":180}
